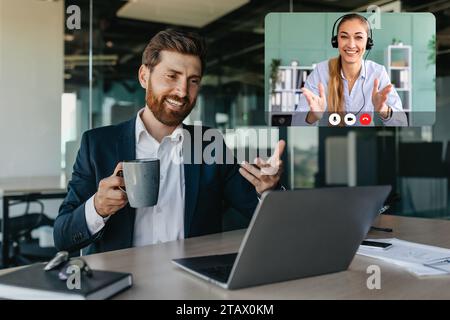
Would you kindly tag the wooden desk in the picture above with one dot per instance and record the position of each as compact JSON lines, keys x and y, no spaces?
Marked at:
{"x":155,"y":277}
{"x":26,"y":189}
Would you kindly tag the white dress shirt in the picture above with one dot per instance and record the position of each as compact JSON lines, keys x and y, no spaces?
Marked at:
{"x":164,"y":221}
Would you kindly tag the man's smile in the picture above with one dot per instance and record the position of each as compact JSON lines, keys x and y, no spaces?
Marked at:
{"x":174,"y":104}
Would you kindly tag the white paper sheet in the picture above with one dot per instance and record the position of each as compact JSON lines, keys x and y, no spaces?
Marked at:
{"x":420,"y":259}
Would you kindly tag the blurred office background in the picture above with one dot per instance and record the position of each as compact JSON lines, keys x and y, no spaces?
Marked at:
{"x":57,"y":82}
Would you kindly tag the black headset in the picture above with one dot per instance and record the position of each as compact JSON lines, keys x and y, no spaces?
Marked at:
{"x":334,"y":38}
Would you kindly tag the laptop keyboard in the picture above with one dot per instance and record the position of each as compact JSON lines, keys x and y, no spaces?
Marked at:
{"x":219,"y":273}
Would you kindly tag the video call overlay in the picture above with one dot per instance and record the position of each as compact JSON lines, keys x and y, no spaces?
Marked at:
{"x":350,"y":69}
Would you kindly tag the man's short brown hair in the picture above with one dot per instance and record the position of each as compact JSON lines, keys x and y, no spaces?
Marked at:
{"x":174,"y":40}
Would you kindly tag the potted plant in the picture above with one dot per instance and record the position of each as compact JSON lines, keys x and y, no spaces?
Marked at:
{"x":432,"y":51}
{"x":275,"y":64}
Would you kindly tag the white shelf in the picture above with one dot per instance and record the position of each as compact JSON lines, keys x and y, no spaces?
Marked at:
{"x":399,"y":68}
{"x":296,"y":68}
{"x":285,"y":97}
{"x":400,"y":46}
{"x":400,"y":76}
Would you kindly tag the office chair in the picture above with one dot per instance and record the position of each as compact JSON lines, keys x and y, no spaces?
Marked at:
{"x":24,"y":249}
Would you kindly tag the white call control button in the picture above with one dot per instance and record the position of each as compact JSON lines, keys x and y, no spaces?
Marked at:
{"x":350,"y":119}
{"x":334,"y":119}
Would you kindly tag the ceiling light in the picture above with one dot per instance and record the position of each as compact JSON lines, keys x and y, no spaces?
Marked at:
{"x":72,"y":61}
{"x":193,"y":13}
{"x":69,"y":37}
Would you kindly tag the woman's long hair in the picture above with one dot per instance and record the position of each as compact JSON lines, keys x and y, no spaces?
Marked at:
{"x":335,"y":86}
{"x":335,"y":98}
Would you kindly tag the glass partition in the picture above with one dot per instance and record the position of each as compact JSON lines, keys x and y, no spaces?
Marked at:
{"x":100,"y":88}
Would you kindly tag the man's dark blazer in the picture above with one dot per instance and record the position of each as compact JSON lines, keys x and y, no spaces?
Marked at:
{"x":209,"y":189}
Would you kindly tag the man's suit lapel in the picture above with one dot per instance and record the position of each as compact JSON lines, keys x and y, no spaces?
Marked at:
{"x":191,"y":183}
{"x":126,"y":150}
{"x":126,"y":144}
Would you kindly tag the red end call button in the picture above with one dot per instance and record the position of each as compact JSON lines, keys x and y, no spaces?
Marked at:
{"x":365,"y":119}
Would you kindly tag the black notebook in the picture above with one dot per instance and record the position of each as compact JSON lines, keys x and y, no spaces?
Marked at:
{"x":32,"y":282}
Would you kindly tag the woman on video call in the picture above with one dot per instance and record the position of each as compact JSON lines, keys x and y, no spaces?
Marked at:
{"x":349,"y":83}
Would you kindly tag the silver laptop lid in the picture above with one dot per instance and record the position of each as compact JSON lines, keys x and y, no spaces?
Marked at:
{"x":301,"y":233}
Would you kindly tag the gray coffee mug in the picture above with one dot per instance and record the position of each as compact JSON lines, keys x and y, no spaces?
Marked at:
{"x":141,"y":182}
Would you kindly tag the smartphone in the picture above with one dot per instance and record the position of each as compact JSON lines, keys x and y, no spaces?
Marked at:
{"x":376,"y":245}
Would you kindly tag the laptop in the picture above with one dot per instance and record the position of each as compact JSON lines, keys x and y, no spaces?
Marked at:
{"x":295,"y":234}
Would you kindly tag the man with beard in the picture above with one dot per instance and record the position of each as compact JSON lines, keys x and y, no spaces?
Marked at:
{"x":192,"y":198}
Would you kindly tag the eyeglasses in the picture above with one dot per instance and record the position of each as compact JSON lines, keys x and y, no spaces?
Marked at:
{"x":68,"y":266}
{"x":72,"y":266}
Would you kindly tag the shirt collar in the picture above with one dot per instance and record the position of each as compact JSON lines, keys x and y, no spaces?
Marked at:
{"x":362,"y":73}
{"x":140,"y":128}
{"x":176,"y":136}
